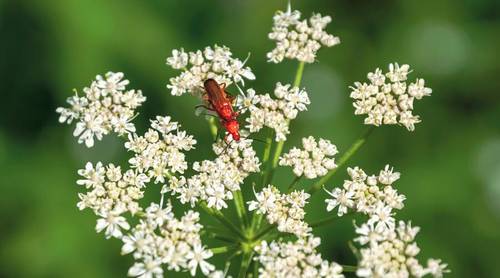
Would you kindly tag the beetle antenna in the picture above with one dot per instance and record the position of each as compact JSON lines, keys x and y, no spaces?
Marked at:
{"x":225,"y":149}
{"x":256,"y":139}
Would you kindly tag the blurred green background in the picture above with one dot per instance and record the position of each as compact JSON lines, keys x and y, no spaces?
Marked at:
{"x":450,"y":165}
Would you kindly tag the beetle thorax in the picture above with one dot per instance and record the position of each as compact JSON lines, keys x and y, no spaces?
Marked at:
{"x":225,"y":111}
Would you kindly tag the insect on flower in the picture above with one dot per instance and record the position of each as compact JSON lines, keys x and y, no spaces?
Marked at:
{"x":221,"y":103}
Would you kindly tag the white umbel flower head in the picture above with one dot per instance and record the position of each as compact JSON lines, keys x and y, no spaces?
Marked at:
{"x":213,"y":62}
{"x":284,"y":210}
{"x":392,"y":253}
{"x":299,"y":39}
{"x":216,"y":179}
{"x":295,"y":260}
{"x":276,"y":113}
{"x":387,"y":99}
{"x":109,"y":191}
{"x":315,"y":160}
{"x":161,"y":239}
{"x":105,"y":107}
{"x":371,"y":195}
{"x":160,"y":151}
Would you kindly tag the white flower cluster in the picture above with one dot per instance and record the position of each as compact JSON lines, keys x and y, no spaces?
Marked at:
{"x":389,"y":103}
{"x":296,"y":39}
{"x":275,"y":113}
{"x":313,"y":161}
{"x":370,"y":195}
{"x":392,"y":253}
{"x":105,"y":107}
{"x":216,"y":63}
{"x":217,"y":179}
{"x":159,"y":153}
{"x":295,"y":259}
{"x":111,"y":193}
{"x":285,"y":210}
{"x":161,"y":239}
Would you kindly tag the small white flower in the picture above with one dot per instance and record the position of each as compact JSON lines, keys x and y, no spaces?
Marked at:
{"x":92,"y":176}
{"x":148,"y":269}
{"x":342,"y":199}
{"x":136,"y":241}
{"x":113,"y":223}
{"x":246,"y":101}
{"x":369,"y":233}
{"x":197,"y":257}
{"x":382,"y":217}
{"x":158,"y":215}
{"x":436,"y":268}
{"x":179,"y":59}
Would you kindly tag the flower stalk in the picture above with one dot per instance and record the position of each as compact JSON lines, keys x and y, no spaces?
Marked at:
{"x":223,"y":220}
{"x":280,"y":144}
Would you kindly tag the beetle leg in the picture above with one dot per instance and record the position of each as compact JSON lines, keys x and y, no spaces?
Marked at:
{"x":205,"y":97}
{"x":204,"y":106}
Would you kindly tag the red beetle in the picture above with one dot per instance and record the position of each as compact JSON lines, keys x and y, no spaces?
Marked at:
{"x":221,"y":102}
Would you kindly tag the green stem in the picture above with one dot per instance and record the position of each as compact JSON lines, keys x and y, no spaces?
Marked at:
{"x":349,"y":268}
{"x":279,"y":146}
{"x":229,"y":258}
{"x":294,"y":182}
{"x":256,"y":220}
{"x":263,"y":232}
{"x":255,"y":269}
{"x":324,"y":221}
{"x":240,"y":208}
{"x":220,"y":217}
{"x":220,"y":250}
{"x":343,"y":159}
{"x":354,"y":250}
{"x":265,"y":159}
{"x":224,"y":238}
{"x":245,"y":263}
{"x":298,"y":75}
{"x":213,"y":127}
